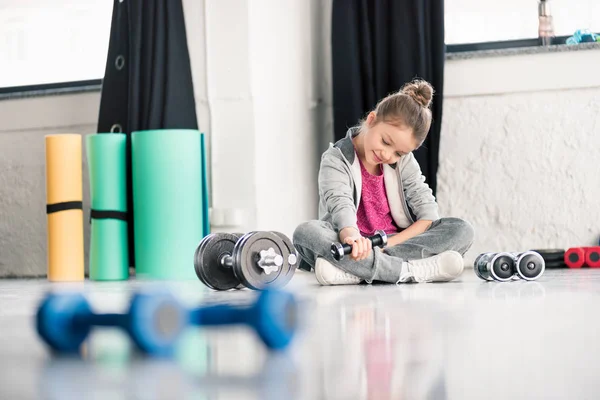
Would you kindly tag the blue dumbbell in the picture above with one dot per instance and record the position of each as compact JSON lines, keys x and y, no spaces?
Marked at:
{"x":274,"y":317}
{"x":154,"y":322}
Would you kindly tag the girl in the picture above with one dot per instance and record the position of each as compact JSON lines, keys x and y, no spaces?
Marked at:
{"x":370,"y":180}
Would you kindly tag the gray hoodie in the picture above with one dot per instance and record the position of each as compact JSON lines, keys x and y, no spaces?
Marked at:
{"x":340,"y":184}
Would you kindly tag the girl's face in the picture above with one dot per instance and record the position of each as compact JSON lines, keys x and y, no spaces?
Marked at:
{"x":385,"y":143}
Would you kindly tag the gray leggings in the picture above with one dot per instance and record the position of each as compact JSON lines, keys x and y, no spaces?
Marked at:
{"x":313,"y":239}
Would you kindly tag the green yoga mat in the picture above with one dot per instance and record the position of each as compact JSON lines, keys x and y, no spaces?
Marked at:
{"x":205,"y":204}
{"x":109,"y":255}
{"x":167,"y":202}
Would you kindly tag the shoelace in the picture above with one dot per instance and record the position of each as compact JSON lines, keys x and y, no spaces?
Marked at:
{"x":341,"y":275}
{"x":425,"y":270}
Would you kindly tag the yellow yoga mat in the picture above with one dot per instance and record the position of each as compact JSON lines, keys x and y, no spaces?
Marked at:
{"x":64,"y":208}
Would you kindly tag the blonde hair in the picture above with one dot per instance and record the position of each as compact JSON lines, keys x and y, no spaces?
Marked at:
{"x":407,"y":108}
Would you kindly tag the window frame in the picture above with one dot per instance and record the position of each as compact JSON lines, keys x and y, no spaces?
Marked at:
{"x":46,"y":89}
{"x":13,"y":92}
{"x":503,"y":44}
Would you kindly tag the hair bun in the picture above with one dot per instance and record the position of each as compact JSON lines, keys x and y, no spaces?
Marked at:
{"x":420,"y":91}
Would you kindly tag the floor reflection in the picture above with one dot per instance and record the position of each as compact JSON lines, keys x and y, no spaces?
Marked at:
{"x":377,"y":348}
{"x":110,"y":369}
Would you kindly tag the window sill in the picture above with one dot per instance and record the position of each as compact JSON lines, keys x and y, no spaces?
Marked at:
{"x":53,"y":89}
{"x":516,"y":51}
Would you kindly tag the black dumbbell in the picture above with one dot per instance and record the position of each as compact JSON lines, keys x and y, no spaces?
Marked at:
{"x":495,"y":266}
{"x":256,"y":260}
{"x":339,"y":250}
{"x":274,"y":317}
{"x":154,"y":322}
{"x":529,"y":265}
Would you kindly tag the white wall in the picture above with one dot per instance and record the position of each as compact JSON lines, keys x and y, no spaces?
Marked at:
{"x":519,"y":150}
{"x":259,"y":83}
{"x":259,"y":100}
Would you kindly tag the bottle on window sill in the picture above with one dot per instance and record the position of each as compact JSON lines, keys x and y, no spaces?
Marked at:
{"x":545,"y":24}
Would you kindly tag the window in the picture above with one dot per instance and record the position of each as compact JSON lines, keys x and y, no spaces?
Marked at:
{"x":45,"y":42}
{"x":475,"y":21}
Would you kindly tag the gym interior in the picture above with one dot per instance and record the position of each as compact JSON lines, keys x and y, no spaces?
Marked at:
{"x":158,"y":156}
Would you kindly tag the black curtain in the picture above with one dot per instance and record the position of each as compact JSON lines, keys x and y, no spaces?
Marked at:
{"x":148,"y":79}
{"x":378,"y":46}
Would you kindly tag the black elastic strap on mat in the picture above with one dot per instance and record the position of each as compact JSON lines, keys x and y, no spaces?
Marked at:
{"x":64,"y":206}
{"x":108,"y":214}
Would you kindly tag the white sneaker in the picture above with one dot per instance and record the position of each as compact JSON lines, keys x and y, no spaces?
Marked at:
{"x":328,"y":274}
{"x":442,"y":267}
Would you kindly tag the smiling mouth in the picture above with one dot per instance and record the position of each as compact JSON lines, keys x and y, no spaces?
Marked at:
{"x":377,"y":158}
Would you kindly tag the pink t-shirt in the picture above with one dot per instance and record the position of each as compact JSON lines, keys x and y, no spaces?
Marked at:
{"x":374,"y":210}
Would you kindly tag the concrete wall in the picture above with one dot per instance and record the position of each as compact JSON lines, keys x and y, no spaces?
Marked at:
{"x":518,"y":152}
{"x":22,"y":174}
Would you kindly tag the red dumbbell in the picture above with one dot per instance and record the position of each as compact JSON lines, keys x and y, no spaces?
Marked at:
{"x":592,"y":257}
{"x":577,"y":257}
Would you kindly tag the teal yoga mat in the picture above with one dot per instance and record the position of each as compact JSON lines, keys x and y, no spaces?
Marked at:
{"x":167,"y":201}
{"x":109,"y":254}
{"x":205,"y":202}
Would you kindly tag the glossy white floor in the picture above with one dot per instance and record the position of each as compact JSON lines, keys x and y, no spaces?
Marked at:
{"x":462,"y":340}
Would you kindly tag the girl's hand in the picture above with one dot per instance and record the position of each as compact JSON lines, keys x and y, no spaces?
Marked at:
{"x":361,"y":247}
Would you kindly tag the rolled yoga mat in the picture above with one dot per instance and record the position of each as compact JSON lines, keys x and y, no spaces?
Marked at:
{"x":205,"y":204}
{"x":167,"y":202}
{"x":109,"y":255}
{"x":64,"y":207}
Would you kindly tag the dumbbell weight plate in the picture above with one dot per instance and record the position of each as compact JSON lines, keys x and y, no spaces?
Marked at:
{"x":54,"y":322}
{"x":291,"y":262}
{"x":207,"y":261}
{"x":247,"y":253}
{"x":556,"y":264}
{"x":551,"y":254}
{"x":198,"y":251}
{"x":156,"y":322}
{"x":241,"y":285}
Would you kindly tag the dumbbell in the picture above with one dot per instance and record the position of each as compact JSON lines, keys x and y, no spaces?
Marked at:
{"x":577,"y":257}
{"x":274,"y":317}
{"x":499,"y":267}
{"x":506,"y":266}
{"x":256,"y":260}
{"x":553,"y":258}
{"x":339,"y":250}
{"x":153,"y":322}
{"x":529,"y":265}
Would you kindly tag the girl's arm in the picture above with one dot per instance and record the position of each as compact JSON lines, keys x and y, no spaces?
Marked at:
{"x":415,"y":229}
{"x":336,"y":190}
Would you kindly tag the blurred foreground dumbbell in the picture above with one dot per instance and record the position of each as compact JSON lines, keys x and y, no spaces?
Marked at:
{"x":155,"y":322}
{"x":506,"y":266}
{"x":274,"y":317}
{"x":577,"y":257}
{"x":256,"y":260}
